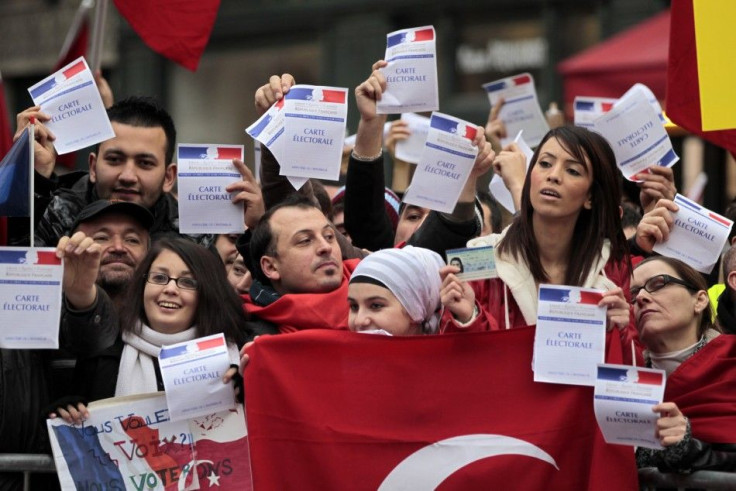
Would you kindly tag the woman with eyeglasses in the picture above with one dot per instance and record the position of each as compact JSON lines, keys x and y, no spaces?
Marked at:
{"x":181,"y":293}
{"x":697,"y":423}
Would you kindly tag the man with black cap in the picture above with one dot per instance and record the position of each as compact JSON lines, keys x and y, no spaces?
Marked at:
{"x":120,"y":229}
{"x":110,"y":239}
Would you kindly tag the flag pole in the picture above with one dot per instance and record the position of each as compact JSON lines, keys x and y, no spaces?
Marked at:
{"x":98,"y":35}
{"x":84,"y":7}
{"x":31,"y":195}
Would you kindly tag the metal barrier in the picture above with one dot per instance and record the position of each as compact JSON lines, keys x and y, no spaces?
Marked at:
{"x":27,"y":464}
{"x":650,"y":478}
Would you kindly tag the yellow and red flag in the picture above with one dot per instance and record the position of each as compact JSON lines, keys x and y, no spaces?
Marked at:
{"x":702,"y":69}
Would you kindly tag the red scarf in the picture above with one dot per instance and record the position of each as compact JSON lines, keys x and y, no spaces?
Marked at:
{"x":704,"y":388}
{"x":298,"y":311}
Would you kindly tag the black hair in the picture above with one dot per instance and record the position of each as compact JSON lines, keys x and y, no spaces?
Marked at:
{"x":493,"y":205}
{"x":219,"y":308}
{"x":592,"y":227}
{"x":144,"y":112}
{"x":262,"y":242}
{"x":631,"y":216}
{"x":323,"y":198}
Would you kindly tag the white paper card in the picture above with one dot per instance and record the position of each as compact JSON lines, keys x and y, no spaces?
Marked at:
{"x":623,"y":401}
{"x":71,"y":98}
{"x":697,"y":237}
{"x":521,"y":110}
{"x":192,"y":372}
{"x":314,"y":130}
{"x":410,"y":150}
{"x":497,"y":187}
{"x":203,"y":173}
{"x":588,"y":109}
{"x":634,"y":129}
{"x":446,"y":162}
{"x":30,"y":295}
{"x":571,"y":335}
{"x":268,"y":130}
{"x":411,"y":73}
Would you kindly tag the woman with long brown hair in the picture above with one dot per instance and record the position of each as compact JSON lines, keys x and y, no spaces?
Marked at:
{"x":568,"y":232}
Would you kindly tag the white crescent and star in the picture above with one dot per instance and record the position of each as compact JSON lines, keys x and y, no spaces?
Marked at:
{"x":429,"y":466}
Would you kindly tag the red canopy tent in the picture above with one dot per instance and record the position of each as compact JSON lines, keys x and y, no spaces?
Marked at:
{"x":610,"y":68}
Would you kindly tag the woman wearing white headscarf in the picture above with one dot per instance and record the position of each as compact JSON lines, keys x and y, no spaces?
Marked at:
{"x":396,"y":291}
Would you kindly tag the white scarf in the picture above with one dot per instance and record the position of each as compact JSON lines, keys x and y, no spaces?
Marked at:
{"x":519,"y":280}
{"x":412,"y":275}
{"x":137,"y":372}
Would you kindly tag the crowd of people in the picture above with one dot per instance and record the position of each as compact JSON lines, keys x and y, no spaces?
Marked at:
{"x":132,"y":283}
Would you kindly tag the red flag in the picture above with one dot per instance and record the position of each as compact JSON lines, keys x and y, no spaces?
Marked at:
{"x":341,"y":410}
{"x":6,"y":131}
{"x":176,"y":29}
{"x":683,"y":89}
{"x":703,"y":389}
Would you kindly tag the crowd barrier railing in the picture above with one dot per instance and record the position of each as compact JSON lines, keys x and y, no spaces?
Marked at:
{"x":650,"y":478}
{"x":27,"y":464}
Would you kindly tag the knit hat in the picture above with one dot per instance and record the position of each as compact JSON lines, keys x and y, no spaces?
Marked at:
{"x":412,"y":275}
{"x":390,"y":200}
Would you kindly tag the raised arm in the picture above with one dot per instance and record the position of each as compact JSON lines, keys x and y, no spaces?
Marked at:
{"x":365,"y":215}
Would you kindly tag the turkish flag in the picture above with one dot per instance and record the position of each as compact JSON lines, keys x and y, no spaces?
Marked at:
{"x":683,"y":85}
{"x":342,"y":410}
{"x":176,"y":29}
{"x":704,"y":388}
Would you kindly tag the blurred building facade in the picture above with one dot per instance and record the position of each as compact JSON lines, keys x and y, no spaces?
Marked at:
{"x":326,"y":42}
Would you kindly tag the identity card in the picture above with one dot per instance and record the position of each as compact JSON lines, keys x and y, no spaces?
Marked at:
{"x":475,"y":263}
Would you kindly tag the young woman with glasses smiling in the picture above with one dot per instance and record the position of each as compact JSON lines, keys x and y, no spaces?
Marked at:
{"x":181,"y":293}
{"x":697,"y":423}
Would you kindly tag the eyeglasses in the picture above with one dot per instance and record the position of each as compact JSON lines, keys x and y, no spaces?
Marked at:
{"x":656,"y":283}
{"x":163,"y":279}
